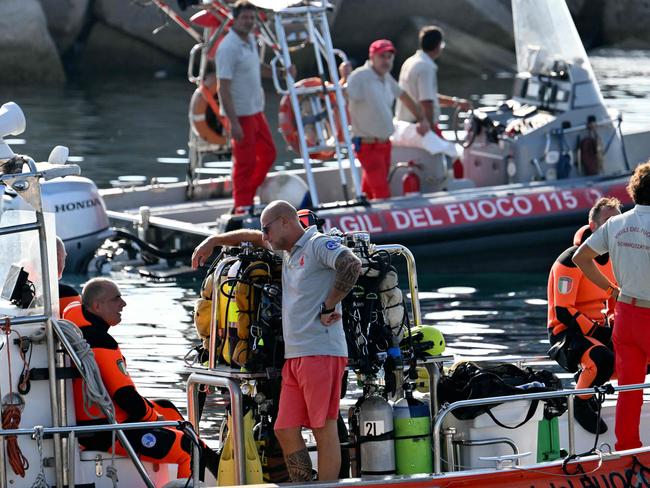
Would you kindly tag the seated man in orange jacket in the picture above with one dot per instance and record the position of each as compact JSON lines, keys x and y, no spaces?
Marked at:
{"x":101,"y":308}
{"x":579,"y":333}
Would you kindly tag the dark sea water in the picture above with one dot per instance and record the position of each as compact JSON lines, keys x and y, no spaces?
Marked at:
{"x":118,"y":127}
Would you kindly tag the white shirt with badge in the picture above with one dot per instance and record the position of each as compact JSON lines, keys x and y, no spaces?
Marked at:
{"x":627,"y":239}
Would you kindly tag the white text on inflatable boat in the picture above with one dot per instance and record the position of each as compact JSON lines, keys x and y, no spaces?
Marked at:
{"x":472,"y":211}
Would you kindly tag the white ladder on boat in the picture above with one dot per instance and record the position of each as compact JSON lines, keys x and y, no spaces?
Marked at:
{"x":313,"y":19}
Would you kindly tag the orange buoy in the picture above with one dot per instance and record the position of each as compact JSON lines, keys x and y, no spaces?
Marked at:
{"x":205,"y":117}
{"x":310,"y":114}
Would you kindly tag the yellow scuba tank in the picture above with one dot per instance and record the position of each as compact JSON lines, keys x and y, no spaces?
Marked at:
{"x":226,"y":473}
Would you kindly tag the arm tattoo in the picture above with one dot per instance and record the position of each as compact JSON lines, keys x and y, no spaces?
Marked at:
{"x":348,"y":267}
{"x":299,"y":465}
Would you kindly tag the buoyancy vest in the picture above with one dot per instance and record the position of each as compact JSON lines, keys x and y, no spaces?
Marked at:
{"x":247,"y":298}
{"x":129,"y":405}
{"x":574,"y":302}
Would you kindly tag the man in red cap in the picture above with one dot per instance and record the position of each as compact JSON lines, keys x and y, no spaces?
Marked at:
{"x":371,"y":92}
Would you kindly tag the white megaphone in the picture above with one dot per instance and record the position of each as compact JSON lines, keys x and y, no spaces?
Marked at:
{"x":12,"y":122}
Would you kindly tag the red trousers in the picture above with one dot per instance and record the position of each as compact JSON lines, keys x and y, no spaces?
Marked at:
{"x":375,"y":161}
{"x":632,"y":346}
{"x":252,"y":158}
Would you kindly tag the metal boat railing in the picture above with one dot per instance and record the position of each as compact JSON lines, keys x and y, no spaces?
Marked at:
{"x":448,"y":408}
{"x":72,"y":432}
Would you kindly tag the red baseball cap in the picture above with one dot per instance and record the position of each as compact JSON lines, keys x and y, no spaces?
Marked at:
{"x":381,"y":46}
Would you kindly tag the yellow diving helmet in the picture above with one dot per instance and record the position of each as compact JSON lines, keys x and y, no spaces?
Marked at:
{"x":427,"y":334}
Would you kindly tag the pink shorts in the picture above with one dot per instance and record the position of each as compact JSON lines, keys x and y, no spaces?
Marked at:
{"x":311,"y":391}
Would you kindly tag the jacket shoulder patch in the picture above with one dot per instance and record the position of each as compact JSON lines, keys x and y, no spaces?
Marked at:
{"x":564,"y":285}
{"x":121,"y":365}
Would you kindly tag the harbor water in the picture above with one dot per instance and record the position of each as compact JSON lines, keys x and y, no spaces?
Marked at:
{"x":123,"y":127}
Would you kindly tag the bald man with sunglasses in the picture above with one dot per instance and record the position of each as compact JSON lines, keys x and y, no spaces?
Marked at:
{"x":317,"y":273}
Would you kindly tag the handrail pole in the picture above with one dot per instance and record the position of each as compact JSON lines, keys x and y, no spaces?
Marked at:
{"x":571,"y":424}
{"x":193,"y":405}
{"x":56,"y":407}
{"x":236,"y":406}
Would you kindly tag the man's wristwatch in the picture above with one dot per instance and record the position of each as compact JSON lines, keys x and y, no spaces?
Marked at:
{"x":324,"y":310}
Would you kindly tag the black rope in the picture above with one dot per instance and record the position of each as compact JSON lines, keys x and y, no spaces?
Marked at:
{"x":186,"y":428}
{"x":150,"y":248}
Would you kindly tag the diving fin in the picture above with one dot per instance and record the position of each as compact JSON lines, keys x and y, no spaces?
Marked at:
{"x":254,"y":474}
{"x":226,"y":475}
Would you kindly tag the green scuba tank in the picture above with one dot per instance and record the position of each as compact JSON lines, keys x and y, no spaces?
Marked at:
{"x":412,"y":425}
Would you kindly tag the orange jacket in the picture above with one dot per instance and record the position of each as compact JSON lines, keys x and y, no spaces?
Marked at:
{"x":130,"y":406}
{"x":67,"y":295}
{"x":574,"y":302}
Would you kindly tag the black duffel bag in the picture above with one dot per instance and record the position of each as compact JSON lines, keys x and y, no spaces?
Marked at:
{"x":468,"y":380}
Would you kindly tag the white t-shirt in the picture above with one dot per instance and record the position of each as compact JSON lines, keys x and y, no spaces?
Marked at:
{"x":627,"y":239}
{"x":371,"y":99}
{"x":239,"y":61}
{"x":419,"y":78}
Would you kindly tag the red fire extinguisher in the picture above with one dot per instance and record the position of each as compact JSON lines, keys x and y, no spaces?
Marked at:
{"x":411,"y":179}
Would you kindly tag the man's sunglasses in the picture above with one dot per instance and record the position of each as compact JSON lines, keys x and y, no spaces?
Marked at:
{"x":267,"y":227}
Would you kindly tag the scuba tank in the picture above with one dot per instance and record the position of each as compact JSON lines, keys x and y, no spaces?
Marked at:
{"x":412,"y":435}
{"x":376,"y":437}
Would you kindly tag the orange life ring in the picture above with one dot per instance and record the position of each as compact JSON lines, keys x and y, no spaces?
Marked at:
{"x":287,"y":120}
{"x":205,"y":118}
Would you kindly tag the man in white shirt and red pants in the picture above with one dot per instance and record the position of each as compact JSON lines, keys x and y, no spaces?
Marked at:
{"x":239,"y":73}
{"x":627,"y":239}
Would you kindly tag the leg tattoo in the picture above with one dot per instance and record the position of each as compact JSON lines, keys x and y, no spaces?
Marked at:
{"x":299,"y":465}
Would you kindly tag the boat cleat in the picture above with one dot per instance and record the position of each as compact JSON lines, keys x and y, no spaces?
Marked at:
{"x":506,"y":461}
